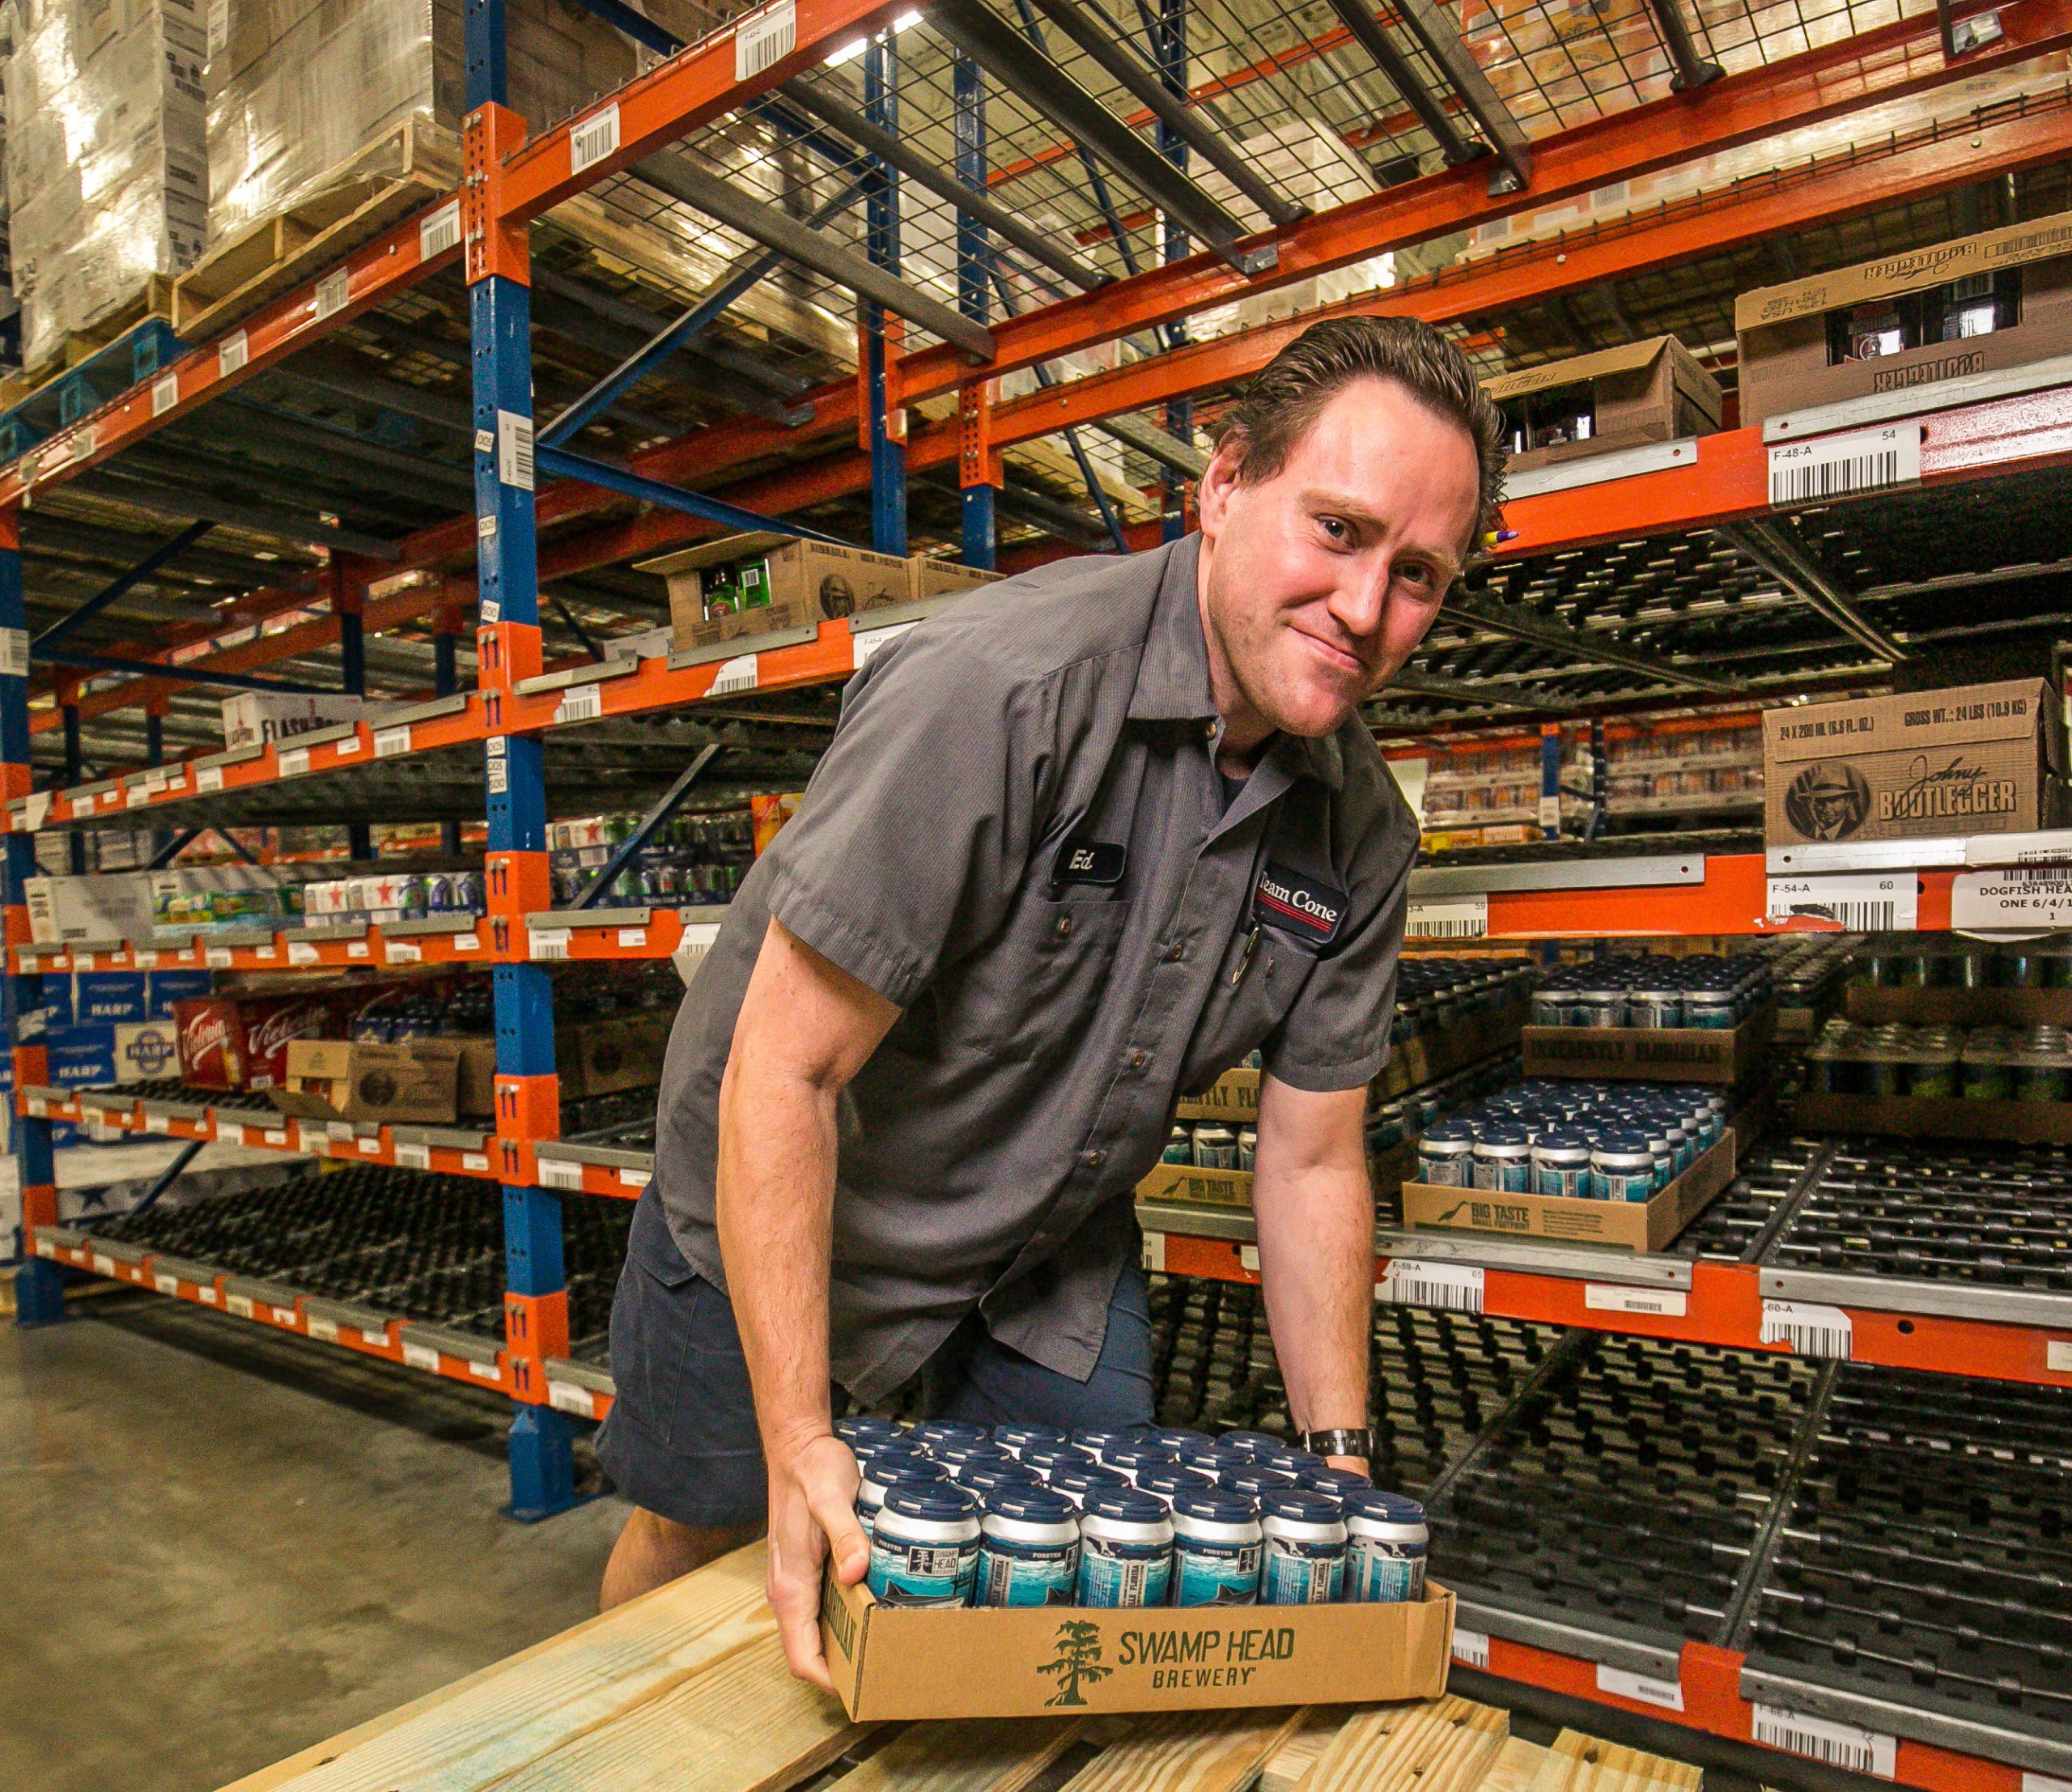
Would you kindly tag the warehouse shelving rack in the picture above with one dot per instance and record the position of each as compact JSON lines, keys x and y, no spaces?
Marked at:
{"x":526,"y":711}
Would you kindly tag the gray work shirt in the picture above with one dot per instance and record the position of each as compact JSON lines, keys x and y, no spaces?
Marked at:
{"x":1018,"y":836}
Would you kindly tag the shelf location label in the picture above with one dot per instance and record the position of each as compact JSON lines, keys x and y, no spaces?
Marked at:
{"x":1833,"y":466}
{"x":2020,"y":898}
{"x":1448,"y":918}
{"x":1848,"y":902}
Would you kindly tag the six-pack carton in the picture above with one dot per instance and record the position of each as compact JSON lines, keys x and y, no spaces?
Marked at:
{"x":1617,"y":398}
{"x":808,"y":583}
{"x":1978,"y":759}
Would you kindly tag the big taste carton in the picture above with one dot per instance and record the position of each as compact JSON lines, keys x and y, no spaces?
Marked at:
{"x":897,"y":1662}
{"x":1926,"y":764}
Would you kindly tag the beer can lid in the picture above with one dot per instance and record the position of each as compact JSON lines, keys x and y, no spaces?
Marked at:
{"x":1021,"y":1437}
{"x":1337,"y":1482}
{"x":943,"y":1502}
{"x":1300,"y":1505}
{"x":1215,"y":1505}
{"x":1033,"y":1503}
{"x":1175,"y":1438}
{"x":1126,"y":1504}
{"x":1170,"y":1479}
{"x":1254,"y":1444}
{"x":1383,"y":1507}
{"x":1083,"y":1480}
{"x":1256,"y":1481}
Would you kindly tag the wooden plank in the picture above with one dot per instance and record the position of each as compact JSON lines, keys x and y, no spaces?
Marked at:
{"x":980,"y":1755}
{"x":510,"y":1713}
{"x":741,"y":1725}
{"x":1189,"y":1751}
{"x":1577,"y":1763}
{"x":1295,"y":1756}
{"x":1440,"y":1745}
{"x":1514,"y":1767}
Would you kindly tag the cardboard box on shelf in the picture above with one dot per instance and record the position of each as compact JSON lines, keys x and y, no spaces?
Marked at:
{"x":894,"y":1662}
{"x":602,"y":1057}
{"x":935,"y":578}
{"x":1643,"y":391}
{"x":252,"y":718}
{"x":344,"y":1080}
{"x":1977,"y":759}
{"x":809,"y":582}
{"x":1656,"y":1054}
{"x":1625,"y":1225}
{"x":1932,"y":1117}
{"x":2001,"y":298}
{"x":241,"y":1041}
{"x":108,"y":907}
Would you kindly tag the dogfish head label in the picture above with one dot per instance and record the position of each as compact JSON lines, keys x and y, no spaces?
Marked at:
{"x":1310,"y":909}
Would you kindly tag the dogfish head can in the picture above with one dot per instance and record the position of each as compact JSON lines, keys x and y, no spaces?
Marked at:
{"x":886,"y":1471}
{"x":925,"y":1549}
{"x":1386,"y":1543}
{"x":1304,"y":1539}
{"x":1216,"y":1546}
{"x":1125,"y":1548}
{"x":1028,"y":1547}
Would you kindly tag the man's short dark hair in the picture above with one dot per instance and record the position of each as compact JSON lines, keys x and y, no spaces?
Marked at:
{"x":1281,"y":402}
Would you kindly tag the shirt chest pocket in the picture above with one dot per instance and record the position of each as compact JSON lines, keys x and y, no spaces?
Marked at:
{"x":1032,"y":992}
{"x":1256,"y":986}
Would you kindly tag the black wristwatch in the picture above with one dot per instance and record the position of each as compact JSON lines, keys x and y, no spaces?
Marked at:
{"x":1357,"y":1441}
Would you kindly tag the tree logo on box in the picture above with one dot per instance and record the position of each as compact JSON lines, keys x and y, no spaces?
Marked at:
{"x":1077,"y":1659}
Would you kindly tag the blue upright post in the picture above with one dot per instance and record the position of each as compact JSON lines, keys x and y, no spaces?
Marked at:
{"x":75,"y":767}
{"x":975,"y":259}
{"x":352,"y":675}
{"x":1171,"y":46}
{"x":445,"y":681}
{"x":506,"y":573}
{"x":881,"y":214}
{"x":39,"y":1286}
{"x":1550,"y":781}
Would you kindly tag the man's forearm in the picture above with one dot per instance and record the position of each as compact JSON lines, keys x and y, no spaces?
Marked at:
{"x":775,"y":1198}
{"x":1314,"y":1209}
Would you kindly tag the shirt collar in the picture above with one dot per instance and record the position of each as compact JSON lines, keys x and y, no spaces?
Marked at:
{"x":1172,"y":677}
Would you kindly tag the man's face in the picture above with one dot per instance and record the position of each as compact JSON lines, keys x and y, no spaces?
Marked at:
{"x":1319,"y":582}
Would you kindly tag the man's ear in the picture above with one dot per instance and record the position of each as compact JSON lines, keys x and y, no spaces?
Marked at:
{"x":1218,"y":480}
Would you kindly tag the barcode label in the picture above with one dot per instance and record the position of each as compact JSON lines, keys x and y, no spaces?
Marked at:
{"x":207,"y":778}
{"x":300,"y":951}
{"x":144,"y":960}
{"x":389,"y":742}
{"x":476,"y":1161}
{"x":218,"y":958}
{"x":358,"y":948}
{"x":413,"y":1156}
{"x":633,"y":935}
{"x":166,"y":1284}
{"x":1154,"y":1253}
{"x":232,"y":354}
{"x":317,"y":1144}
{"x":585,"y":703}
{"x":441,"y":231}
{"x":1855,"y":902}
{"x":735,"y":674}
{"x":370,"y":1148}
{"x":766,"y":40}
{"x":237,"y":1305}
{"x":158,"y":1123}
{"x":1835,"y":466}
{"x":1643,"y":1689}
{"x":549,"y":942}
{"x":566,"y":1397}
{"x":1470,"y":1648}
{"x":872,"y":642}
{"x":484,"y":1372}
{"x":165,"y":393}
{"x":1612,"y":1298}
{"x":467,"y":942}
{"x":557,"y":1173}
{"x":1807,"y":1328}
{"x":595,"y":138}
{"x":208,"y":1295}
{"x":1823,"y":1740}
{"x":514,"y":450}
{"x":323,"y":1331}
{"x":1455,"y":1287}
{"x":2044,"y":1782}
{"x":1455,"y":918}
{"x":332,"y":292}
{"x":635,"y":1179}
{"x":294,"y":762}
{"x":2057,"y":1356}
{"x":103,"y":1266}
{"x":416,"y":1356}
{"x":375,"y":1340}
{"x":2021,"y":896}
{"x":402,"y":952}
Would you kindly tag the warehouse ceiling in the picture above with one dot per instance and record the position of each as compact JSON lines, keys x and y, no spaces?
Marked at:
{"x":356,"y":444}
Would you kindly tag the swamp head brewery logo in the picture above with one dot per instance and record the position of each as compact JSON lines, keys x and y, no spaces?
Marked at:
{"x":1827,"y":800}
{"x":1075,"y":1661}
{"x":1956,"y":790}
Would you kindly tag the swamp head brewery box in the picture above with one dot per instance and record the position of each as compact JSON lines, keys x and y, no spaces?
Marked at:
{"x":2000,"y":300}
{"x":775,"y":582}
{"x":1978,"y":759}
{"x":1596,"y":404}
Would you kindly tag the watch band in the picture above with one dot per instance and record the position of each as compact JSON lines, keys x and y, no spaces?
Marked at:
{"x":1354,"y":1440}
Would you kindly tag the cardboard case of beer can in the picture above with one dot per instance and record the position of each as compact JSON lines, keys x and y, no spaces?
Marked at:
{"x":241,"y":1041}
{"x":810,"y":582}
{"x":1927,"y":764}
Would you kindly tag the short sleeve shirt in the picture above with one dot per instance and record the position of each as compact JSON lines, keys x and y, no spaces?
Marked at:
{"x":1019,"y":836}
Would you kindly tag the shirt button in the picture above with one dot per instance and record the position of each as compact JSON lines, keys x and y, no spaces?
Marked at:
{"x":1094,"y":1159}
{"x":1176,"y":952}
{"x":1139,"y":1059}
{"x":1064,"y":925}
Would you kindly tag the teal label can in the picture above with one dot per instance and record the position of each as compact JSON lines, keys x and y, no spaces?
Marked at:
{"x":924,"y":1547}
{"x":1125,"y":1549}
{"x":1304,"y":1559}
{"x":1217,"y":1548}
{"x":1386,"y":1542}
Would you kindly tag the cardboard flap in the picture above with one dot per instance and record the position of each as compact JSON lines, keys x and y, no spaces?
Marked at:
{"x":1627,"y":359}
{"x":1922,"y":720}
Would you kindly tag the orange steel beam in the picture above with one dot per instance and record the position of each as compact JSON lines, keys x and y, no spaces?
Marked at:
{"x":1927,"y":164}
{"x":707,"y":79}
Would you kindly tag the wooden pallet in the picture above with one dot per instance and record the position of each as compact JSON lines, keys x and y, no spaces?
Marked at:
{"x":355,"y":203}
{"x":686,"y":1689}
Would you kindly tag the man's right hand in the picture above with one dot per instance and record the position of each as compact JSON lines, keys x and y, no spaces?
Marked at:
{"x":813,"y":1513}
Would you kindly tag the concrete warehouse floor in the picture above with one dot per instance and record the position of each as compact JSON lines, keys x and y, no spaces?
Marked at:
{"x":222,"y":1544}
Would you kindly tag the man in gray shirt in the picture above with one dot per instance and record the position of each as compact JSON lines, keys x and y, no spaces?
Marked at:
{"x":1080,"y":844}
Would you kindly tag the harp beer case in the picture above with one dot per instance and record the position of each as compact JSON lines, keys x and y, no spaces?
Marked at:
{"x":1925,"y":765}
